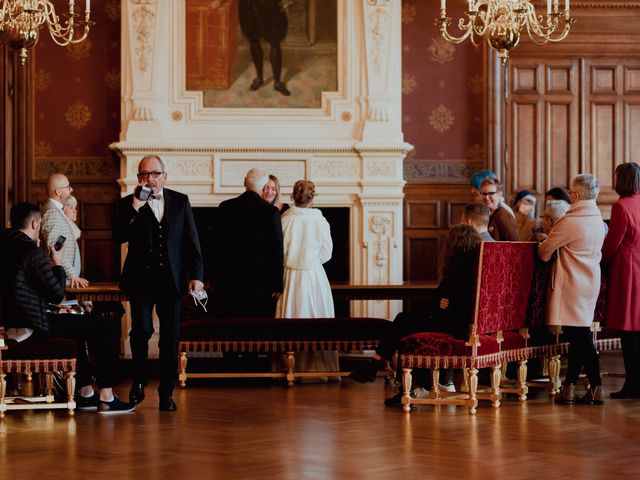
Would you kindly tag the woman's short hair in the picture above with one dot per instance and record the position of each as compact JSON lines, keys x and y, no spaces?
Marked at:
{"x":303,"y":193}
{"x":586,"y":185}
{"x":627,"y":179}
{"x":556,"y":209}
{"x":276,"y":182}
{"x":492,"y":181}
{"x":70,"y":201}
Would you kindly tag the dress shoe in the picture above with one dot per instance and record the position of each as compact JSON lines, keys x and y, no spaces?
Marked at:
{"x":136,"y":394}
{"x":396,"y":400}
{"x":282,"y":88}
{"x":567,"y":395}
{"x":256,"y":84}
{"x":594,"y":396}
{"x":167,"y":404}
{"x":626,"y":393}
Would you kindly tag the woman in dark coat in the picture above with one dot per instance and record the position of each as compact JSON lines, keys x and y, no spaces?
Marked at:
{"x":265,"y":19}
{"x":621,"y":253}
{"x":452,"y":309}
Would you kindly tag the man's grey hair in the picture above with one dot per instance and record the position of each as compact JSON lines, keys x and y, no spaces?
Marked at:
{"x":163,"y":168}
{"x":586,"y":185}
{"x":256,"y":179}
{"x":556,"y":209}
{"x":71,"y":201}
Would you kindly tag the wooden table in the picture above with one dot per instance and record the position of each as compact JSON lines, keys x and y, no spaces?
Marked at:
{"x":110,"y":292}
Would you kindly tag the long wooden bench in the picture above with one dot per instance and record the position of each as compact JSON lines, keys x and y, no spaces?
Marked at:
{"x":287,"y":336}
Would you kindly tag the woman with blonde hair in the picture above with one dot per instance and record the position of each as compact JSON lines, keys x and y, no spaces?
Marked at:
{"x":271,"y":194}
{"x":306,"y":292}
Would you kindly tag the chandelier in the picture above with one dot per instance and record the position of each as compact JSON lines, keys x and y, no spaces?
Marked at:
{"x":20,"y":22}
{"x":501,"y":23}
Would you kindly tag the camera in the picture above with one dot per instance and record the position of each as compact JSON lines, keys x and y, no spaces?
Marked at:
{"x":142,"y":192}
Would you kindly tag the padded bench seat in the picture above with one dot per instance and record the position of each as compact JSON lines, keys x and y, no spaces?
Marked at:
{"x":277,"y":335}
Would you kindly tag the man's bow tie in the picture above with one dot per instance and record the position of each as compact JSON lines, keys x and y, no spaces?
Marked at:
{"x":156,"y":197}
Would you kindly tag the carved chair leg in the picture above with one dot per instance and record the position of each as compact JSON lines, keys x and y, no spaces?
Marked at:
{"x":496,"y":378}
{"x":554,"y":374}
{"x":48,"y":378}
{"x":435,"y":383}
{"x":291,"y":363}
{"x":3,"y":392}
{"x":473,"y":388}
{"x":406,"y":386}
{"x":28,"y":375}
{"x":71,"y":389}
{"x":182,"y":374}
{"x":522,"y":380}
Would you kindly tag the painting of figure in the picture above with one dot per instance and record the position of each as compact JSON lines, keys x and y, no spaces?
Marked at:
{"x":262,"y":53}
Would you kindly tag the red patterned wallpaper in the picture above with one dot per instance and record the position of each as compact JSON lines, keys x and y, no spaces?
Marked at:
{"x":77,"y":90}
{"x":443,"y":96}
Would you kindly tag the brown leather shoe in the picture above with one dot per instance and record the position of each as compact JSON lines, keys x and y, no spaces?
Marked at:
{"x":594,"y":396}
{"x":567,"y":394}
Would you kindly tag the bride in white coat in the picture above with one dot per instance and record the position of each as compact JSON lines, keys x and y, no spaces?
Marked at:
{"x":307,"y":293}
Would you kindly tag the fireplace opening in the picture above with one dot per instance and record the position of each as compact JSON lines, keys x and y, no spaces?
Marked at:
{"x":337,"y":268}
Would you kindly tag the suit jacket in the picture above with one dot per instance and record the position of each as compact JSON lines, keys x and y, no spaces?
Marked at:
{"x":183,"y":243}
{"x":575,"y":276}
{"x":28,"y":281}
{"x":54,"y":224}
{"x":247,"y":251}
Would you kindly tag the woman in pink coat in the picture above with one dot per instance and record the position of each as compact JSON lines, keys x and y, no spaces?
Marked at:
{"x":575,"y":284}
{"x":621,"y":254}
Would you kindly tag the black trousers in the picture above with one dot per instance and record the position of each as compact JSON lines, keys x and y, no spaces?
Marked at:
{"x":582,"y":352}
{"x":98,"y":334}
{"x":631,"y":356}
{"x":168,"y":308}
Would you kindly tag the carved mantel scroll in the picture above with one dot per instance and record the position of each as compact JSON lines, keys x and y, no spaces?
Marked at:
{"x":352,"y":147}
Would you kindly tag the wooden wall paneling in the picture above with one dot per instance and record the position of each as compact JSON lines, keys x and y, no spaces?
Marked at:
{"x":421,"y":213}
{"x":5,"y":135}
{"x":22,"y":131}
{"x":632,"y":130}
{"x":526,"y":129}
{"x":422,"y":255}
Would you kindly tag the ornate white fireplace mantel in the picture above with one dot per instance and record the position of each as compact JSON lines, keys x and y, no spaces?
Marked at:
{"x":351,"y":147}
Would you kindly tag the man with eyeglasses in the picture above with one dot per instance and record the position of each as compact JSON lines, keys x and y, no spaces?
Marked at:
{"x":55,"y":223}
{"x":502,"y":226}
{"x":163,"y":249}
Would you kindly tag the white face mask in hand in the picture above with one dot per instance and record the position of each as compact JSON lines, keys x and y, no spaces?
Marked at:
{"x":200,"y":298}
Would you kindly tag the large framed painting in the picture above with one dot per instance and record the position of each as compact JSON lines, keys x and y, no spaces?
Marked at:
{"x":262,"y":53}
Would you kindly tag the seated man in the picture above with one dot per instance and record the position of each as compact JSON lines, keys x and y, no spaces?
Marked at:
{"x":30,"y":281}
{"x":477,"y":215}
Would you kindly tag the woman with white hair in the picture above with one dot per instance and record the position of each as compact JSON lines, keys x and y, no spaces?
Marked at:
{"x":575,"y":284}
{"x":70,"y":209}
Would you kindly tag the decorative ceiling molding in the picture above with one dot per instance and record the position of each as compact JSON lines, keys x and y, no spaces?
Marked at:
{"x":598,"y":4}
{"x":312,"y":150}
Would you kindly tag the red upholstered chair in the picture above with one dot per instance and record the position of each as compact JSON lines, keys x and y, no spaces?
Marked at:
{"x":57,"y":355}
{"x":497,"y":334}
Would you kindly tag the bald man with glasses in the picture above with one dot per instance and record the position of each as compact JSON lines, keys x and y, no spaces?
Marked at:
{"x":55,"y":223}
{"x":163,"y":249}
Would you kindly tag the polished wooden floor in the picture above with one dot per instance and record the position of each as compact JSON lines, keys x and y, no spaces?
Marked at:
{"x":324,"y":431}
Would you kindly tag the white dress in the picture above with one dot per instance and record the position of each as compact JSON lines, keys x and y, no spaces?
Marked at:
{"x":307,"y":293}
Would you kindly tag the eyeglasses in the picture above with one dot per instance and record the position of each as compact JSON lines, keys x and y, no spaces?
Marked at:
{"x":64,"y":188}
{"x":149,"y":174}
{"x":488,"y":194}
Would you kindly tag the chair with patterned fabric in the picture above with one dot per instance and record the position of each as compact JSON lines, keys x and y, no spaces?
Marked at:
{"x":497,"y":334}
{"x":46,"y":357}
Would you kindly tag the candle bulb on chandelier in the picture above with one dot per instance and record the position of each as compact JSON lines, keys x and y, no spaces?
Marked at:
{"x":566,"y":5}
{"x":548,"y":7}
{"x":71,"y":5}
{"x":443,"y":4}
{"x":470,"y":5}
{"x":87,"y":7}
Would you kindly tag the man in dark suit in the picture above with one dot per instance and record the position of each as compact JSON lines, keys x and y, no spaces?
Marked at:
{"x":248,"y":256}
{"x":163,"y":249}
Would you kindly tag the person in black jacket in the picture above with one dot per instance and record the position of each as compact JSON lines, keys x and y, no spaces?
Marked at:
{"x":30,"y":281}
{"x":248,"y":255}
{"x":163,"y":249}
{"x":453,"y":302}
